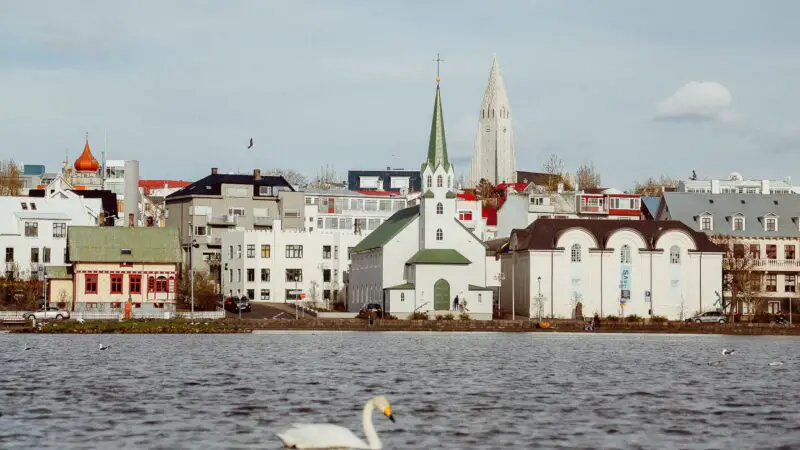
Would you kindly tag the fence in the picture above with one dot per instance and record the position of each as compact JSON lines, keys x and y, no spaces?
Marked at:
{"x":219,"y":314}
{"x":11,"y":314}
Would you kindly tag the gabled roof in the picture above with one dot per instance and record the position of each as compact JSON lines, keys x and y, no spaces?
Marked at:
{"x":388,"y":229}
{"x":438,"y":256}
{"x":650,"y":205}
{"x":106,"y":244}
{"x":212,"y":184}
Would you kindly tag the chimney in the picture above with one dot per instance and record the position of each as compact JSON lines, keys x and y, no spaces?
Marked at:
{"x":213,"y":171}
{"x":130,"y":220}
{"x":765,"y":187}
{"x":715,"y":186}
{"x":256,"y":174}
{"x":102,"y":219}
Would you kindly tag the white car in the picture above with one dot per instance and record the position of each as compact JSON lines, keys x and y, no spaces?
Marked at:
{"x":50,"y":312}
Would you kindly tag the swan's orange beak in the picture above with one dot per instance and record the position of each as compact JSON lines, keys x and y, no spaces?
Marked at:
{"x":388,"y":413}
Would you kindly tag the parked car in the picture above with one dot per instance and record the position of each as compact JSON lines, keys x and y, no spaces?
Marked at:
{"x":234,"y":304}
{"x":47,"y":313}
{"x":244,"y":304}
{"x":372,"y":308}
{"x":708,"y":317}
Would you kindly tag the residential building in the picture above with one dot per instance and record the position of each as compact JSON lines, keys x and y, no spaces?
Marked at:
{"x":391,"y":180}
{"x":111,"y":266}
{"x":736,"y":184}
{"x":218,"y":203}
{"x":494,"y":158}
{"x":573,"y":268}
{"x":422,"y":258}
{"x":33,"y":231}
{"x":31,"y":177}
{"x":153,"y":194}
{"x":762,"y":229}
{"x":101,"y":203}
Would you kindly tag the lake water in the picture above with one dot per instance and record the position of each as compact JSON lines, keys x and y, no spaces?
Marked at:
{"x":448,"y":390}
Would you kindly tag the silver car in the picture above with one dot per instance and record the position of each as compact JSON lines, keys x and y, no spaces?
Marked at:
{"x":709,"y":317}
{"x":47,"y":313}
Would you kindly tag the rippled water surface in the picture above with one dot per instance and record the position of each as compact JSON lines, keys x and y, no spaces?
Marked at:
{"x":448,"y":390}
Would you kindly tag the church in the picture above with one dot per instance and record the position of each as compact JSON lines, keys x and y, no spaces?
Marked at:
{"x":422,"y":258}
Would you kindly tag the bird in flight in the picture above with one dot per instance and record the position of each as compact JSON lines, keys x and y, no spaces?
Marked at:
{"x":251,"y":144}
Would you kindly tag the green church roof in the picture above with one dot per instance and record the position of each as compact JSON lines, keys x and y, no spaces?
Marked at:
{"x":124,"y":244}
{"x":387,"y":230}
{"x":437,"y":146}
{"x":438,"y":256}
{"x":401,"y":287}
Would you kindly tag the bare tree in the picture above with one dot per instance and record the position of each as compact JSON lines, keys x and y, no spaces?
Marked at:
{"x":294,"y":177}
{"x":653,"y":187}
{"x":327,"y":178}
{"x":587,"y":176}
{"x":740,"y":274}
{"x":487,"y":193}
{"x":10,"y":178}
{"x":553,"y":166}
{"x":205,"y":291}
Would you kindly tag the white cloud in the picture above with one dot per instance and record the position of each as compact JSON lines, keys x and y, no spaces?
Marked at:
{"x":697,"y":101}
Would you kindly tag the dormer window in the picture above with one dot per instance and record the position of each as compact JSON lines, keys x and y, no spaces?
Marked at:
{"x":771,"y":223}
{"x":706,"y":223}
{"x":738,"y":223}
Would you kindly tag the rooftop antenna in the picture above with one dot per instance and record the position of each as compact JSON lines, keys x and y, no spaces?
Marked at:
{"x":105,"y":147}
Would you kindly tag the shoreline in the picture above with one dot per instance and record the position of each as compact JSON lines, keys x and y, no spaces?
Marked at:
{"x":235,"y":326}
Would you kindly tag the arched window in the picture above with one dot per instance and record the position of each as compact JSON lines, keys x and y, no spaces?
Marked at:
{"x":449,"y":182}
{"x":439,"y":208}
{"x":161,"y":284}
{"x":625,"y":254}
{"x":429,"y":181}
{"x":439,"y":234}
{"x":439,"y":181}
{"x":674,"y":255}
{"x":480,"y":298}
{"x":576,"y":252}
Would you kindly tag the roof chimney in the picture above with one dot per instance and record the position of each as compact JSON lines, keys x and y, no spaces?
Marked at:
{"x":213,"y":171}
{"x":256,"y":174}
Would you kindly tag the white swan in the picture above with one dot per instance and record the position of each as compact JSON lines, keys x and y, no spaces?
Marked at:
{"x":333,"y":436}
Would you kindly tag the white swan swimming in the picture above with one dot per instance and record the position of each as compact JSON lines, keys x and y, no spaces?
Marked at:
{"x":333,"y":436}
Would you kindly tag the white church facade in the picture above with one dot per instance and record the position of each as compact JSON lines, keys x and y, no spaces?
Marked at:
{"x":423,"y":258}
{"x":494,"y":157}
{"x":573,"y":268}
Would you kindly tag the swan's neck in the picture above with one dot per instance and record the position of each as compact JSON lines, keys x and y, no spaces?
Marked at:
{"x":369,"y":430}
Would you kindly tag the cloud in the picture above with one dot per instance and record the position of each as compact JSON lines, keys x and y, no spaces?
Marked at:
{"x":697,"y":101}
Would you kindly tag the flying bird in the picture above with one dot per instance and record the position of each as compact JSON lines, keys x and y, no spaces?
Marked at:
{"x":251,"y":144}
{"x":727,"y":352}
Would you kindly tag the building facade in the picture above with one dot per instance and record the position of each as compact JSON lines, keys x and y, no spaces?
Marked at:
{"x":494,"y":157}
{"x":391,"y":180}
{"x":573,"y":268}
{"x":736,"y":184}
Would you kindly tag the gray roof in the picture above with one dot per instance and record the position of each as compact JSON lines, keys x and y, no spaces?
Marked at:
{"x":651,"y":203}
{"x":687,"y":207}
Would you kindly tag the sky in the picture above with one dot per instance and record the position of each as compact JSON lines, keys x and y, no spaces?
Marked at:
{"x":637,"y":88}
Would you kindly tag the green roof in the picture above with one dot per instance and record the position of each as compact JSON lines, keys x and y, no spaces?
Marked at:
{"x":437,"y":146}
{"x":401,"y":287}
{"x":387,"y":230}
{"x":427,"y":194}
{"x":450,"y":194}
{"x":111,"y":244}
{"x":58,"y":272}
{"x":438,"y":256}
{"x":473,"y":287}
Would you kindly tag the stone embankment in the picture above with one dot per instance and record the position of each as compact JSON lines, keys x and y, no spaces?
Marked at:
{"x":247,"y":326}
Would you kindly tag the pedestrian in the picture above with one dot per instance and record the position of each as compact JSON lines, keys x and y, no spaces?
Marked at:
{"x":455,"y":304}
{"x":596,"y":321}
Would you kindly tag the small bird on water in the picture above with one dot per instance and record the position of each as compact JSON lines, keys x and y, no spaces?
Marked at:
{"x":776,"y":363}
{"x":104,"y":347}
{"x":727,"y":352}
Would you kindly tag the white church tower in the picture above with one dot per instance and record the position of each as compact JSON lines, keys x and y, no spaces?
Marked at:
{"x":494,"y":158}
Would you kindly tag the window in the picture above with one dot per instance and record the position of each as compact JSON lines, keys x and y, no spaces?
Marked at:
{"x":772,"y":282}
{"x":264,"y":274}
{"x":772,"y":224}
{"x":705,"y":223}
{"x":251,"y":250}
{"x":294,"y":275}
{"x":772,"y":251}
{"x":9,"y":254}
{"x":326,"y":294}
{"x":738,"y":223}
{"x":24,"y":206}
{"x":265,"y":250}
{"x":438,"y":181}
{"x":292,"y":294}
{"x":326,"y":275}
{"x":264,"y":294}
{"x":790,"y":283}
{"x":199,"y":231}
{"x":34,"y":255}
{"x":625,"y":254}
{"x":238,"y":212}
{"x":575,"y":253}
{"x":135,"y":284}
{"x":465,"y":215}
{"x":428,"y":182}
{"x":537,"y":201}
{"x":46,"y":255}
{"x":326,"y":252}
{"x":238,"y":275}
{"x":674,"y":255}
{"x":439,"y":208}
{"x":116,"y":283}
{"x":231,"y":252}
{"x":349,"y":252}
{"x":251,"y":275}
{"x":59,"y":230}
{"x":251,"y":293}
{"x":788,"y":252}
{"x":162,"y":284}
{"x":294,"y":251}
{"x":31,"y":229}
{"x":239,"y":251}
{"x":151,"y":283}
{"x":335,"y":252}
{"x":755,"y":251}
{"x":439,"y":234}
{"x":90,"y":283}
{"x":402,"y":296}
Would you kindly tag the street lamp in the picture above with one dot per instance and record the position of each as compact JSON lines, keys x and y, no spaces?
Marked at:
{"x":539,"y":299}
{"x":500,"y":277}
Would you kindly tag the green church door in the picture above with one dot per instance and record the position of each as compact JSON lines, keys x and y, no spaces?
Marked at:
{"x":441,"y":295}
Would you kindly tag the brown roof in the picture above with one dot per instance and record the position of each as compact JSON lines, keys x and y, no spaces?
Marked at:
{"x":537,"y":178}
{"x":543,"y":234}
{"x":495,"y":245}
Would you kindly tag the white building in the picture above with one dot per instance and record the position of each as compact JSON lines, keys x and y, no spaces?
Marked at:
{"x":494,"y":158}
{"x":736,"y":184}
{"x":568,"y":268}
{"x":423,"y":258}
{"x":33,"y":230}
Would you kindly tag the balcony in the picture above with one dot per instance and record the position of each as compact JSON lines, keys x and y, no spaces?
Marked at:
{"x":592,"y":209}
{"x":213,"y":241}
{"x":263,"y":221}
{"x":777,"y":264}
{"x":225,"y":219}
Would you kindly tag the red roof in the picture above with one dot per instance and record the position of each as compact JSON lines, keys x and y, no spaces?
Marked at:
{"x":86,"y":162}
{"x":519,"y":187}
{"x":148,"y":185}
{"x":467,"y":196}
{"x":490,"y":214}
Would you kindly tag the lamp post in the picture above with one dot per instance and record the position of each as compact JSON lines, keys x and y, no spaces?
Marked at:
{"x":539,"y":299}
{"x":192,"y":246}
{"x":500,"y":277}
{"x":513,"y":289}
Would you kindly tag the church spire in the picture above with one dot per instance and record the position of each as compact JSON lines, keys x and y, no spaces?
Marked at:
{"x":437,"y":146}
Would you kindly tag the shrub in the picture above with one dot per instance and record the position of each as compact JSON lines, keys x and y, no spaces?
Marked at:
{"x":464,"y":316}
{"x":634,"y":318}
{"x":444,"y":317}
{"x":610,"y":318}
{"x":659,"y":319}
{"x":417,"y":315}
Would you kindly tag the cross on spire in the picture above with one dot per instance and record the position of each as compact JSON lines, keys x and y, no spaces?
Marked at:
{"x":438,"y":62}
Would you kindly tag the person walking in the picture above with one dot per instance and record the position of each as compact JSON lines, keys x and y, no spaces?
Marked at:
{"x":455,"y":304}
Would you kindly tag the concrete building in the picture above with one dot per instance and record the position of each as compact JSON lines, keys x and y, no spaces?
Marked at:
{"x":736,"y":184}
{"x":573,"y":268}
{"x":398,"y":181}
{"x":33,"y":231}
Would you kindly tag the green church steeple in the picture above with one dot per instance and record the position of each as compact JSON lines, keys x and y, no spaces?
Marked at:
{"x":437,"y":146}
